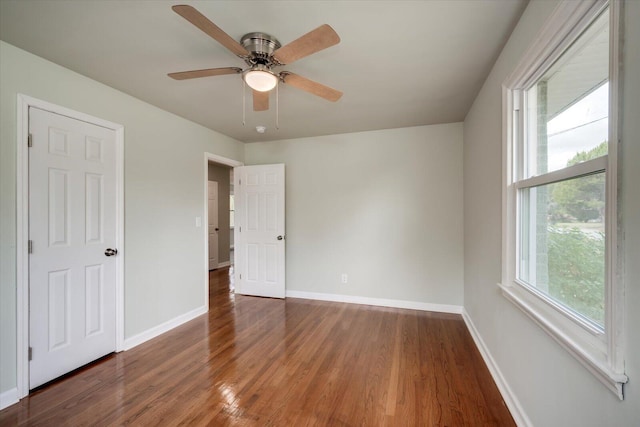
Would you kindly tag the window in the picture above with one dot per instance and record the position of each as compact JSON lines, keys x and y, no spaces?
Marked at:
{"x":561,"y":214}
{"x":560,"y":223}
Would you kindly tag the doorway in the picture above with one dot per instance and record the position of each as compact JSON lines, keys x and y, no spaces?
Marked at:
{"x":219,"y":169}
{"x":219,"y":188}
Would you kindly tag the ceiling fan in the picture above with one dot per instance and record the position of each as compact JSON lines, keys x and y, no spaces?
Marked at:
{"x":262,"y":53}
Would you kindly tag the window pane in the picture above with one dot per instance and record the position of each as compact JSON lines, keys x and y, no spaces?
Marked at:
{"x":562,"y":243}
{"x":568,"y":108}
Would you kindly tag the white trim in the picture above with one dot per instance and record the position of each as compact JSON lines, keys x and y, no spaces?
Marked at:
{"x":585,"y":323}
{"x":22,"y":223}
{"x":149,"y":334}
{"x":224,"y":264}
{"x":602,"y":355}
{"x":379,"y":302}
{"x":562,"y":28}
{"x":615,"y":224}
{"x":570,"y":172}
{"x":214,"y":158}
{"x":613,"y":380}
{"x":119,"y":260}
{"x":516,"y":409}
{"x":508,"y":201}
{"x":22,"y":256}
{"x":8,"y":398}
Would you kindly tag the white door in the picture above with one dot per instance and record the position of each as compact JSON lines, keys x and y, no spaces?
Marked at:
{"x":259,"y":204}
{"x":72,"y":231}
{"x":212,"y":208}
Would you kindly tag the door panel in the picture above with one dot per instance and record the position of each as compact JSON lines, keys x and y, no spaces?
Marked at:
{"x":94,"y":289}
{"x":58,"y":207}
{"x":72,"y":212}
{"x":93,"y":214}
{"x":260,"y":218}
{"x":58,"y":309}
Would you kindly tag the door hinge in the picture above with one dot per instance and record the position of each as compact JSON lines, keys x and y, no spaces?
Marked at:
{"x":30,"y":354}
{"x":30,"y":246}
{"x":240,"y":276}
{"x":30,"y":141}
{"x":240,"y":229}
{"x":240,"y":182}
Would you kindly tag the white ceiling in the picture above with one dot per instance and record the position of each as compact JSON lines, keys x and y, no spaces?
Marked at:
{"x":399,"y":63}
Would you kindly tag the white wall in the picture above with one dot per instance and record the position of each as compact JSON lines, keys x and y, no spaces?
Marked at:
{"x":385,"y":207}
{"x":164,"y":176}
{"x":553,"y":388}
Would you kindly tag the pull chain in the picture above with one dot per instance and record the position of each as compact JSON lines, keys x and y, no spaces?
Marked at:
{"x":277,"y":106}
{"x":243,"y":102}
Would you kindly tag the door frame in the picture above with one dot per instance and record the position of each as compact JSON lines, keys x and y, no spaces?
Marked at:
{"x":214,"y":158}
{"x":22,"y":229}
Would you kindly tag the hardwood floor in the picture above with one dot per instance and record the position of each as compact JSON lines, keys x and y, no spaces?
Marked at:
{"x":264,"y":362}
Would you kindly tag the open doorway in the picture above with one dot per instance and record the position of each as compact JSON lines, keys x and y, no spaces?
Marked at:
{"x":220,"y":232}
{"x":223,"y":167}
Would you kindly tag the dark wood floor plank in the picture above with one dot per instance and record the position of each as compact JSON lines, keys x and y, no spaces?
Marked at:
{"x":264,"y":362}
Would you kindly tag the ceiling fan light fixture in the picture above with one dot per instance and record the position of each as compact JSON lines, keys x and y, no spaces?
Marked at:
{"x":260,"y":78}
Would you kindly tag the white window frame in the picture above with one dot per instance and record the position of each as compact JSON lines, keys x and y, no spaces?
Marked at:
{"x":601,"y":352}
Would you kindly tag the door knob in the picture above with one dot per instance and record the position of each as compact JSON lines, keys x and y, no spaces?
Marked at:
{"x":280,"y":237}
{"x":111,"y":252}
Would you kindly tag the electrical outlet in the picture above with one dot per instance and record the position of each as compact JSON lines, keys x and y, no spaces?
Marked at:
{"x":344,"y":278}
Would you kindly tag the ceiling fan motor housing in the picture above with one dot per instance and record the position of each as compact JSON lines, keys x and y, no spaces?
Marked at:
{"x":261,"y":46}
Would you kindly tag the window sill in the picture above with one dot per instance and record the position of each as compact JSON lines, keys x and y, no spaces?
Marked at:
{"x":596,"y":365}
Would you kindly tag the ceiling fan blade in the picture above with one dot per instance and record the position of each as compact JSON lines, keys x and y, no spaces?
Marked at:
{"x":314,"y":41}
{"x":208,"y":72}
{"x":260,"y":101}
{"x":199,"y":20}
{"x":310,"y":86}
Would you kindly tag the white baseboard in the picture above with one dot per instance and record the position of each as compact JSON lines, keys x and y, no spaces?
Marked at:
{"x":8,"y":398}
{"x":138,"y":339}
{"x":519,"y":416}
{"x":224,"y":264}
{"x":380,"y":302}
